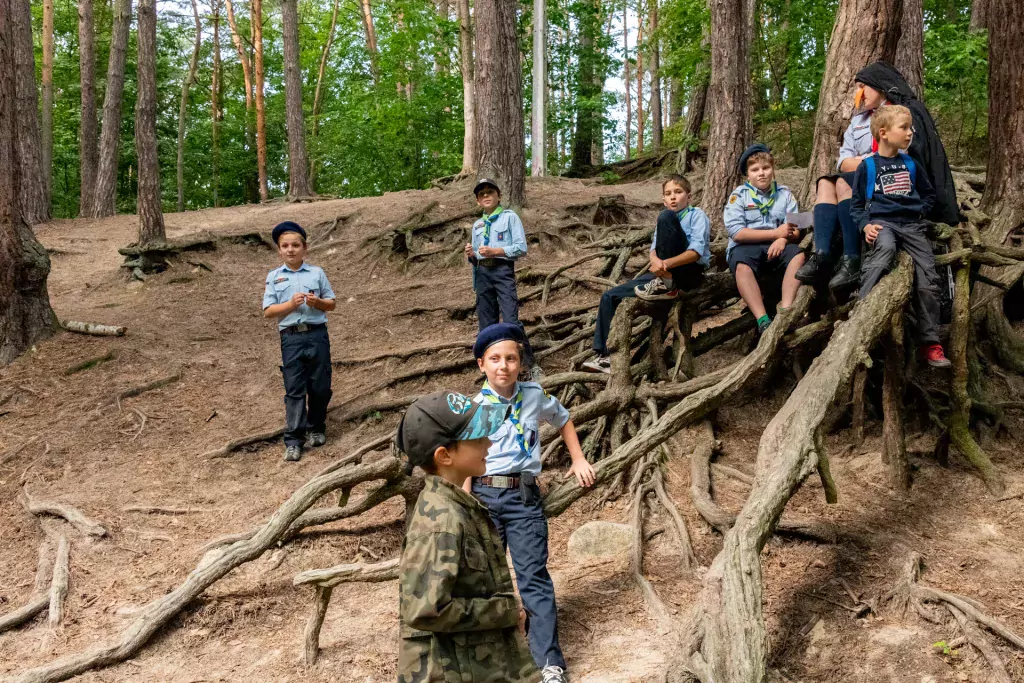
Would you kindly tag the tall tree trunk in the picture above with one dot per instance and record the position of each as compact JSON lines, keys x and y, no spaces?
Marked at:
{"x":538,"y":133}
{"x":88,"y":126}
{"x":371,"y":36}
{"x":730,"y":91}
{"x":469,"y":161}
{"x":25,"y":316}
{"x":215,"y":106}
{"x":47,"y":118}
{"x":653,"y":67}
{"x":252,"y":188}
{"x":105,"y":200}
{"x":910,"y":49}
{"x":35,"y":207}
{"x":256,"y":20}
{"x":442,"y":58}
{"x":696,"y":107}
{"x":639,"y":85}
{"x":864,"y":31}
{"x":625,"y":73}
{"x":501,"y":151}
{"x":151,"y":215}
{"x":298,"y":162}
{"x":318,"y":94}
{"x":979,"y":15}
{"x":1004,"y":187}
{"x":675,"y":101}
{"x":183,"y":107}
{"x":583,"y":140}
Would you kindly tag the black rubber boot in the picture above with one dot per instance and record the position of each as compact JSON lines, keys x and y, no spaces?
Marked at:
{"x":816,"y":266}
{"x":848,"y":274}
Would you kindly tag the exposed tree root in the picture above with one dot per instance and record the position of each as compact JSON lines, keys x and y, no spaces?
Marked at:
{"x":894,"y":444}
{"x":59,"y":584}
{"x":158,"y":510}
{"x":93,"y":329}
{"x":89,"y":363}
{"x":404,"y":353}
{"x":149,"y":386}
{"x":73,"y":515}
{"x":349,"y":573}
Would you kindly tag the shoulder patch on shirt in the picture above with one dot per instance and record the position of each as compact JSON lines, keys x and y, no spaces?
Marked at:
{"x":732,"y":199}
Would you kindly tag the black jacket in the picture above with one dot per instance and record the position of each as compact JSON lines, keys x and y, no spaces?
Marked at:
{"x":899,"y":196}
{"x":926,"y":147}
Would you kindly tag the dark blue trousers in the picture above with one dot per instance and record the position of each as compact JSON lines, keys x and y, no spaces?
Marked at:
{"x":496,"y":293}
{"x":306,"y":366}
{"x":524,"y":531}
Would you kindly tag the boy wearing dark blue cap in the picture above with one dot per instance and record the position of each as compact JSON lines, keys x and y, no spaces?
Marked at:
{"x":299,"y":295}
{"x":763,"y":248}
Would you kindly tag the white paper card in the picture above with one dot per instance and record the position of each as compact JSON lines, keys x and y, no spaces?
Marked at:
{"x":802,"y":220}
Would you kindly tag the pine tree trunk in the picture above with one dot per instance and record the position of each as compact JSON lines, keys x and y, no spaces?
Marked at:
{"x":35,"y":208}
{"x":1003,"y":199}
{"x":151,"y":216}
{"x":625,"y":74}
{"x":538,"y":133}
{"x":88,"y":125}
{"x":252,"y":188}
{"x":979,"y":15}
{"x":256,"y":21}
{"x":696,"y":110}
{"x":371,"y":36}
{"x":183,"y":107}
{"x":216,"y":78}
{"x":47,"y":117}
{"x":675,"y":102}
{"x":729,"y":89}
{"x":105,"y":200}
{"x":25,"y":316}
{"x":298,"y":162}
{"x":639,"y":85}
{"x":583,"y":140}
{"x":653,"y":67}
{"x":318,"y":94}
{"x":501,"y":152}
{"x":910,"y":49}
{"x":469,"y":161}
{"x":864,"y":32}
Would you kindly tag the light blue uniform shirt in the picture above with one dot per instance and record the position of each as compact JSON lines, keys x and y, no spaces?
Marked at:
{"x":741,"y":212}
{"x":697,"y":228}
{"x":505,"y":456}
{"x":857,"y":138}
{"x":283,"y":282}
{"x":506,"y":232}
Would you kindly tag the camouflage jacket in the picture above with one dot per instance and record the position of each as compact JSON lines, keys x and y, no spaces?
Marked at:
{"x":457,"y":610}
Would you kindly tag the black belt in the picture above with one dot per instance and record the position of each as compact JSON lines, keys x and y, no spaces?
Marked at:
{"x":492,"y":262}
{"x":302,"y":327}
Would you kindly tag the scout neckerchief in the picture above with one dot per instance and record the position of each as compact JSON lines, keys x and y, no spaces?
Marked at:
{"x":682,"y":214}
{"x":763,"y":206}
{"x":488,"y":221}
{"x":517,"y":409}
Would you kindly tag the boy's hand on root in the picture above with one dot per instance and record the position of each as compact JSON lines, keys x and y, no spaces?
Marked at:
{"x":584,"y":473}
{"x":871,"y":232}
{"x":777,"y":247}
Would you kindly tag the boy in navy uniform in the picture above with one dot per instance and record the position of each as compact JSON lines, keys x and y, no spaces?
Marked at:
{"x":299,"y":296}
{"x":498,"y":240}
{"x":891,"y":193}
{"x":508,"y":487}
{"x":763,"y":250}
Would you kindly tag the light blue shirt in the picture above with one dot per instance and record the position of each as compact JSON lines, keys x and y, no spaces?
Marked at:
{"x":697,"y":228}
{"x":741,"y":212}
{"x":506,"y":232}
{"x":284,"y":282}
{"x":505,"y":456}
{"x":857,"y":138}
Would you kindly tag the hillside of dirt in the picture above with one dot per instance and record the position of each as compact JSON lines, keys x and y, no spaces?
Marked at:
{"x":67,"y":437}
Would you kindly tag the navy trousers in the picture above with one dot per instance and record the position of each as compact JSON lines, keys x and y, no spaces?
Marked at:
{"x":496,"y":294}
{"x":524,"y":531}
{"x":306,"y":366}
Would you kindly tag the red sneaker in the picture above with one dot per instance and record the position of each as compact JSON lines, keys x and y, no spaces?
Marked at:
{"x":936,"y":356}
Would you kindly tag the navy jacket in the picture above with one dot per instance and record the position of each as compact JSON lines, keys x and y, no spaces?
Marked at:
{"x":898,"y":197}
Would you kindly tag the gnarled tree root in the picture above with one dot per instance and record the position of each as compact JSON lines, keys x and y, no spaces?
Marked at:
{"x":73,"y":515}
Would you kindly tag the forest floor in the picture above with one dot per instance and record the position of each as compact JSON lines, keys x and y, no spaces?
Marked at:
{"x":69,"y":440}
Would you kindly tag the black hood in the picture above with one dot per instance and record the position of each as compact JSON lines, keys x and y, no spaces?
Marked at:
{"x":886,"y":79}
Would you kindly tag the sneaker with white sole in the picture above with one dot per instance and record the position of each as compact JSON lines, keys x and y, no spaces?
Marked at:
{"x":655,"y":290}
{"x":316,"y":439}
{"x":293,"y":453}
{"x":599,"y":364}
{"x":553,"y":674}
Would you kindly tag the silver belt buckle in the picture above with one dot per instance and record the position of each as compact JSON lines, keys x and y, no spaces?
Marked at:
{"x":501,"y":482}
{"x":302,"y":327}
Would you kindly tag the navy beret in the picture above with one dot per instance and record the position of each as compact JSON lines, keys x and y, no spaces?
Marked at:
{"x":755,"y":148}
{"x":495,"y":333}
{"x":287,"y":226}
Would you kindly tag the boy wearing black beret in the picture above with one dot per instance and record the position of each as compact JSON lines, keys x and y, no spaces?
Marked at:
{"x":298,"y":295}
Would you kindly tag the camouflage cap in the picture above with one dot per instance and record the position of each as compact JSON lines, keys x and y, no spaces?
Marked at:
{"x":442,"y":418}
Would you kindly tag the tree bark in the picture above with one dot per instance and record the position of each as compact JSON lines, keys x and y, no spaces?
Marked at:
{"x":864,"y":31}
{"x":588,"y":90}
{"x":318,"y":93}
{"x":696,"y":108}
{"x":639,"y":85}
{"x":105,"y":199}
{"x":151,"y":216}
{"x":25,"y":317}
{"x":298,"y":161}
{"x":87,"y":152}
{"x":910,"y":49}
{"x":47,"y":117}
{"x":216,"y":114}
{"x":1003,"y":199}
{"x":256,"y":20}
{"x":625,"y":73}
{"x":894,"y":443}
{"x":371,"y":36}
{"x":979,"y":15}
{"x":35,"y":205}
{"x":250,"y":107}
{"x":730,"y":92}
{"x":501,"y":152}
{"x":653,"y":67}
{"x":675,"y":101}
{"x":183,"y":107}
{"x":538,"y":132}
{"x":468,"y":93}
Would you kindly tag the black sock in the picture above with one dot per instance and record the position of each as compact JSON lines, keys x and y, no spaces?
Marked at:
{"x":824,"y":227}
{"x":851,"y":235}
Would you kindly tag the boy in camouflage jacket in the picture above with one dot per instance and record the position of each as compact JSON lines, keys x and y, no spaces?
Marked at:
{"x":458,"y":614}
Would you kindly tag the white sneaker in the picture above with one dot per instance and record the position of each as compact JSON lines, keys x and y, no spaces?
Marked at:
{"x":599,"y":364}
{"x":655,"y":290}
{"x":553,"y":674}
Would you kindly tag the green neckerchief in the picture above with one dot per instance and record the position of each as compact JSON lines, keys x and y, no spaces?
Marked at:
{"x":517,"y":409}
{"x":682,"y":214}
{"x":765,"y":206}
{"x":488,"y":221}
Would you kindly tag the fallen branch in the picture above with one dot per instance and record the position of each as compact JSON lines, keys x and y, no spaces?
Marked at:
{"x":73,"y":515}
{"x":93,"y":329}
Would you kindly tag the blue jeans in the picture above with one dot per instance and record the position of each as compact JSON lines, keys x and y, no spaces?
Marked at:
{"x":524,"y":530}
{"x":306,"y":367}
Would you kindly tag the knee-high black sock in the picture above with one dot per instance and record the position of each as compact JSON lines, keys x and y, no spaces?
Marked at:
{"x":851,"y":235}
{"x":824,"y":227}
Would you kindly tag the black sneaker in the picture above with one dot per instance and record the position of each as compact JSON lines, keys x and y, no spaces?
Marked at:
{"x":848,"y":274}
{"x":815,"y":267}
{"x":763,"y":325}
{"x":316,"y":439}
{"x":599,"y":364}
{"x":655,"y":290}
{"x":293,"y":453}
